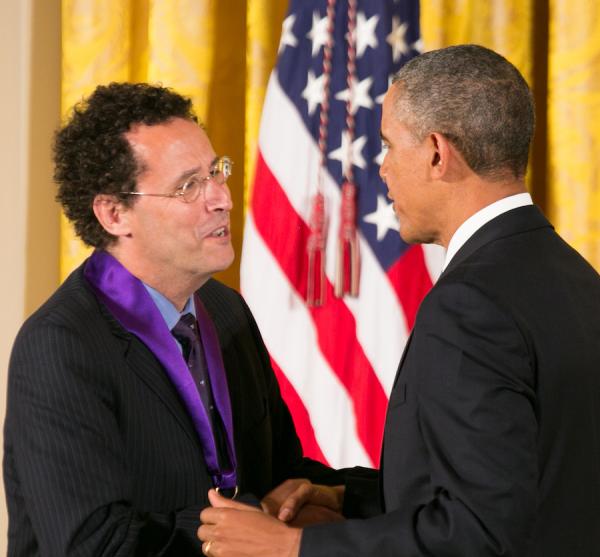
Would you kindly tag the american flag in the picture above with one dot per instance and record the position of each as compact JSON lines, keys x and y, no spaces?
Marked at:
{"x":335,"y":362}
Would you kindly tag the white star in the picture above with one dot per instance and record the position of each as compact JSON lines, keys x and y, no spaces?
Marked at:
{"x":383,"y":218}
{"x":347,"y":155}
{"x":365,"y":33}
{"x":379,"y":99}
{"x":397,"y":38}
{"x":287,"y":37}
{"x":318,"y":33}
{"x":314,"y":92}
{"x":379,"y":158}
{"x":359,"y":95}
{"x":418,"y":45}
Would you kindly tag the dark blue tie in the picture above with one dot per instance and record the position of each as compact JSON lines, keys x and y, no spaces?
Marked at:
{"x":186,"y":332}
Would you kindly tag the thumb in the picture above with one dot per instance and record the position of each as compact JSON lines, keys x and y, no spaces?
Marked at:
{"x":218,"y":501}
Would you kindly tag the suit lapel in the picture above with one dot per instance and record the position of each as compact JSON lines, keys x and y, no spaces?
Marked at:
{"x":148,"y":369}
{"x":515,"y":221}
{"x":404,"y":352}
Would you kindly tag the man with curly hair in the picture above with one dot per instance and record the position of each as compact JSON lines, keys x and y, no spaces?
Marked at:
{"x":142,"y":382}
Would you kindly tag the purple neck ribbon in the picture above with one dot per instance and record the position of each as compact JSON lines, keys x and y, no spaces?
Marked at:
{"x":129,"y":302}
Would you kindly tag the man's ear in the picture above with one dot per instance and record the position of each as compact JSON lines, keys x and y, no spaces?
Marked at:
{"x":112,"y":214}
{"x":440,"y":155}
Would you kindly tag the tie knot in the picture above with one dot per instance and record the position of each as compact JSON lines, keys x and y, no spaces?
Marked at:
{"x":186,"y":327}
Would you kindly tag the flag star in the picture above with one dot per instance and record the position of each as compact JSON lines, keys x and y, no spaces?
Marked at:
{"x":287,"y":36}
{"x":358,"y":94}
{"x":347,"y":155}
{"x":365,"y":33}
{"x":379,"y":98}
{"x":318,"y":33}
{"x":418,"y":45}
{"x":397,"y":38}
{"x":383,"y":218}
{"x":314,"y":91}
{"x":379,"y":158}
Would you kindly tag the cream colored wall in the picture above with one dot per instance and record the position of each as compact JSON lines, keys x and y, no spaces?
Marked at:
{"x":29,"y":111}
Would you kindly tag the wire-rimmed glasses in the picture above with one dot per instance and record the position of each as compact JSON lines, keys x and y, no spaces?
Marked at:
{"x":191,"y":188}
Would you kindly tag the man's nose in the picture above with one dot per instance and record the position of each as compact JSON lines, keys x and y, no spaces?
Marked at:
{"x":217,"y":197}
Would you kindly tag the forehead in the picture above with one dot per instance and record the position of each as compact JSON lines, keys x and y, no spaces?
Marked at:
{"x":176,"y":141}
{"x":396,"y":122}
{"x":388,"y":109}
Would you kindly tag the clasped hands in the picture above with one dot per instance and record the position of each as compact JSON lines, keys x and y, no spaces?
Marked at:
{"x":230,"y":528}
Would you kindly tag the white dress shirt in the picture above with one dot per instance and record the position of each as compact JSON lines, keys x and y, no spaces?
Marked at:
{"x":481,"y":217}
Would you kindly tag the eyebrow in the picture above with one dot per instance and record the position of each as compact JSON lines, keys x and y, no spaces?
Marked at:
{"x":196,"y":170}
{"x":185,"y":175}
{"x":383,"y":137}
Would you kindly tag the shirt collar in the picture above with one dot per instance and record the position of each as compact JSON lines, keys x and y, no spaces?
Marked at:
{"x":481,"y":217}
{"x":167,"y":309}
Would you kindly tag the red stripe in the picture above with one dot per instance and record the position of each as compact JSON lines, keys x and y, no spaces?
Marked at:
{"x":411,"y":280}
{"x":286,"y":234}
{"x":304,"y":429}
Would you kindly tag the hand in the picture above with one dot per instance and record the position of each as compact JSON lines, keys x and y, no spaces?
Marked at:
{"x":232,"y":529}
{"x":287,"y":499}
{"x":314,"y":514}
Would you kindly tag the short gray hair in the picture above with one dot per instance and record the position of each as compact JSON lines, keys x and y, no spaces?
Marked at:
{"x":474,"y":97}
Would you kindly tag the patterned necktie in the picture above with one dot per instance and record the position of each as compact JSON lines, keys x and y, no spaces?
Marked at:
{"x":186,"y":333}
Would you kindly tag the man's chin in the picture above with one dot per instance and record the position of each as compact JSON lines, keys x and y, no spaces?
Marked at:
{"x":406,"y":235}
{"x":415,"y":239}
{"x":224,"y":262}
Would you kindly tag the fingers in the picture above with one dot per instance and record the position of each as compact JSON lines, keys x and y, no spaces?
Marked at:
{"x":206,"y":547}
{"x":218,"y":501}
{"x":320,"y":495}
{"x":206,"y":531}
{"x":227,"y":532}
{"x":295,"y":501}
{"x":222,"y":510}
{"x":315,"y":514}
{"x":272,"y":502}
{"x":285,"y":501}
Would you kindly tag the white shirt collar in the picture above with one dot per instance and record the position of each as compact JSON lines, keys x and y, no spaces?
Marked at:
{"x":481,"y":217}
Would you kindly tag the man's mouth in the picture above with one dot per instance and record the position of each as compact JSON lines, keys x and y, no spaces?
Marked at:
{"x":220,"y":232}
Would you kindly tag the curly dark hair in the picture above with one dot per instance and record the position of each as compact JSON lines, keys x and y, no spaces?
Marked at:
{"x":92,"y":155}
{"x":477,"y":99}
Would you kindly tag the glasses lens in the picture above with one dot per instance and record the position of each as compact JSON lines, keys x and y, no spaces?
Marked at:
{"x":191,"y":189}
{"x":219,"y":173}
{"x":222,"y":169}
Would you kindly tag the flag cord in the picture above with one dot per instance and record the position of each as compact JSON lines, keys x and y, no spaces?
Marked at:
{"x":347,"y":269}
{"x":315,"y":294}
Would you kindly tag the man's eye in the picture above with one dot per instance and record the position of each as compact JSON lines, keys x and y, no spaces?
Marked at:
{"x":189,"y":184}
{"x":384,"y":146}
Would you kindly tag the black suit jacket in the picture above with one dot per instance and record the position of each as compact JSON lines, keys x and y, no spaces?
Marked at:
{"x":492,"y":438}
{"x":101,"y":457}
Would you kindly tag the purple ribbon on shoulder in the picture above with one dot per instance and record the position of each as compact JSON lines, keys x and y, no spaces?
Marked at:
{"x":129,"y":302}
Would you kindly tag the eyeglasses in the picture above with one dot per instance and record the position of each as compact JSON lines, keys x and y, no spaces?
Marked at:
{"x":190,"y":190}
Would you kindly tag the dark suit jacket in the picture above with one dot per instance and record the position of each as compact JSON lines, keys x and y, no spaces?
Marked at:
{"x":101,"y":457}
{"x":492,"y":438}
